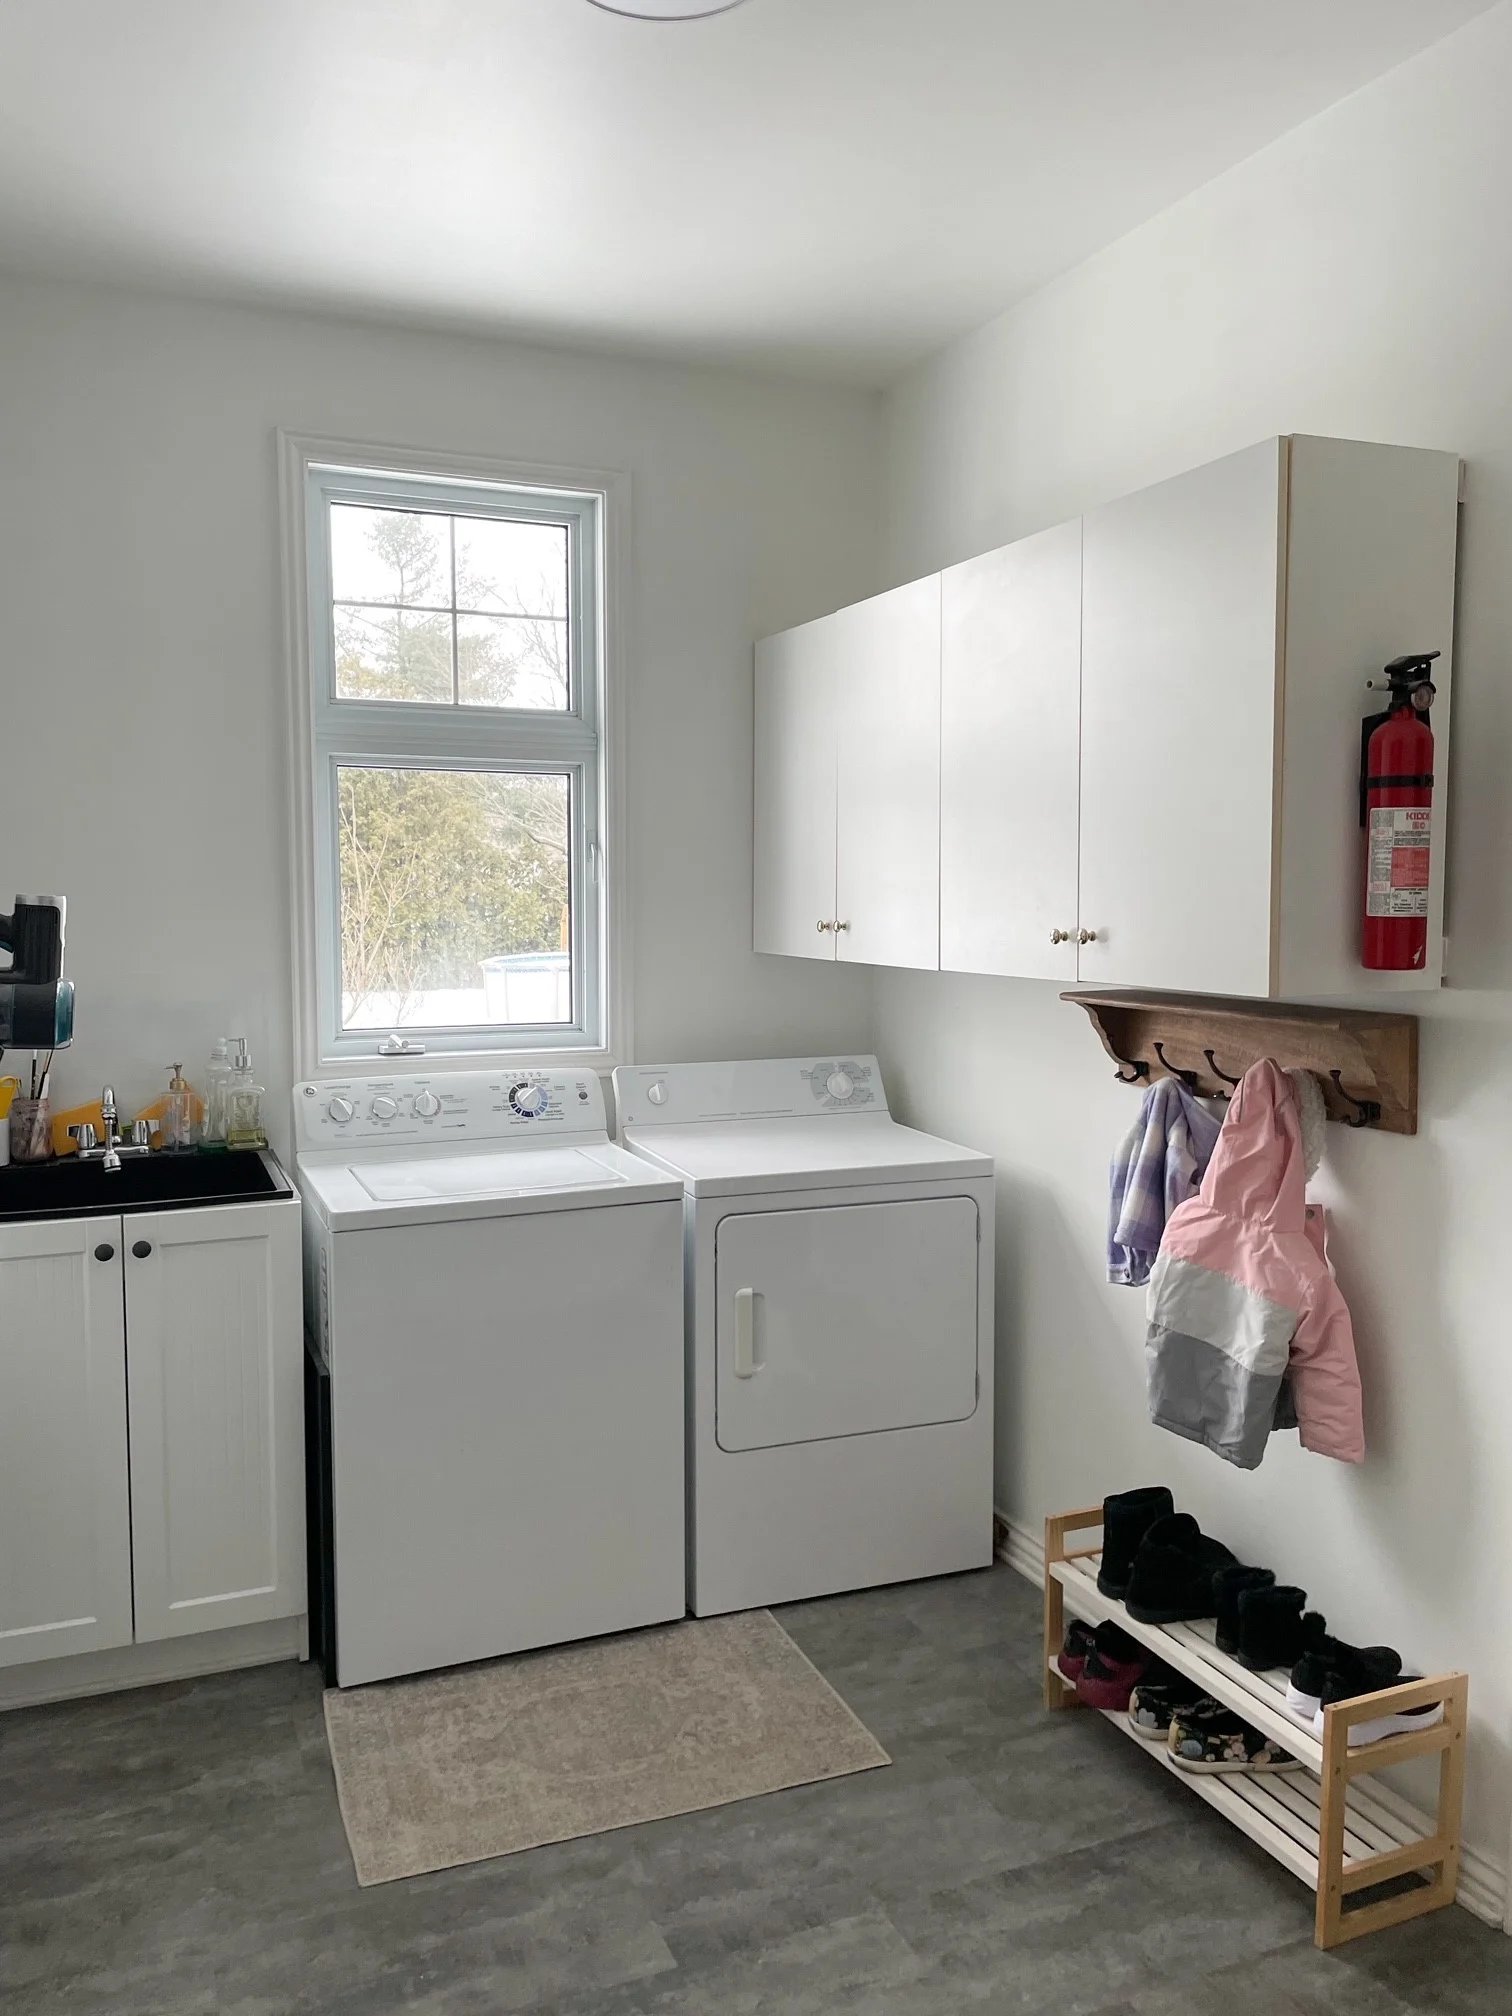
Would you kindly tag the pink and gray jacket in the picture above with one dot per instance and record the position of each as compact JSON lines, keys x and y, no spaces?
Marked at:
{"x":1242,"y":1298}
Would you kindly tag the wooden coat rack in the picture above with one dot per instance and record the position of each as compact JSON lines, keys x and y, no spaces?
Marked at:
{"x":1365,"y":1062}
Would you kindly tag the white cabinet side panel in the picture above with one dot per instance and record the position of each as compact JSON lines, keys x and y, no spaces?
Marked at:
{"x":65,"y":1532}
{"x":1010,"y":710}
{"x":1370,"y":577}
{"x":1179,"y":706}
{"x":887,"y":873}
{"x":214,"y":1350}
{"x":793,"y":890}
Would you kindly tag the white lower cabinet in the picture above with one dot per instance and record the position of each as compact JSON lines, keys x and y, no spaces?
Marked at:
{"x":65,"y":1527}
{"x":215,"y":1395}
{"x":151,"y":1427}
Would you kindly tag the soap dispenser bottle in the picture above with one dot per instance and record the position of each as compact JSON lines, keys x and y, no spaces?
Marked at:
{"x":244,"y":1103}
{"x":178,"y":1111}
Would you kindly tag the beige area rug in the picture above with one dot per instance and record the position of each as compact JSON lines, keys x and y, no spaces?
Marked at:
{"x":455,"y":1767}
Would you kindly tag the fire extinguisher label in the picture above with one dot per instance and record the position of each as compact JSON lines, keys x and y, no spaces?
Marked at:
{"x":1396,"y":883}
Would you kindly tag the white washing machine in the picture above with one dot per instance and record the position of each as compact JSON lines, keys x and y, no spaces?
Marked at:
{"x":498,"y":1297}
{"x":839,"y":1302}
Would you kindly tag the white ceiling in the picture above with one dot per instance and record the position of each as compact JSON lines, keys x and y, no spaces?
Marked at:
{"x":824,"y":185}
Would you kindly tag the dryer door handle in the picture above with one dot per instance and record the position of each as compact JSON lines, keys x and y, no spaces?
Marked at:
{"x":747,"y":1364}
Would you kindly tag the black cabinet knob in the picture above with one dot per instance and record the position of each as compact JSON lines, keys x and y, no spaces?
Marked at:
{"x":142,"y":1248}
{"x":104,"y":1252}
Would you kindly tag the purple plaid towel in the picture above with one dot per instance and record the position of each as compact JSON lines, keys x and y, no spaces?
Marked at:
{"x":1159,"y":1164}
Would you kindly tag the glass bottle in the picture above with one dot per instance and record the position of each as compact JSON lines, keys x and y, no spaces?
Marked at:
{"x":244,"y":1104}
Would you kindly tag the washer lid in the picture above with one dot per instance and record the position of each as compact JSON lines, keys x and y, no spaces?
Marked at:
{"x":507,"y":1175}
{"x":730,"y":1158}
{"x":370,"y":1190}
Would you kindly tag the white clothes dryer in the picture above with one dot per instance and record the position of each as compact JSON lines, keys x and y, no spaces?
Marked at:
{"x":496,"y":1292}
{"x":839,"y":1296}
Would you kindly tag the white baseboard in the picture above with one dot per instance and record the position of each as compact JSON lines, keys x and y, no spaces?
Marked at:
{"x":125,"y":1666}
{"x":1483,"y":1880}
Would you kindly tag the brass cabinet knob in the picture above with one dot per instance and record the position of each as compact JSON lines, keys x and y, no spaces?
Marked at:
{"x":1060,"y":937}
{"x":838,"y":926}
{"x":822,"y":925}
{"x":1086,"y":937}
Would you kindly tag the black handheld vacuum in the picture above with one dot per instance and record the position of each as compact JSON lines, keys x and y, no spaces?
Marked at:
{"x":36,"y":1002}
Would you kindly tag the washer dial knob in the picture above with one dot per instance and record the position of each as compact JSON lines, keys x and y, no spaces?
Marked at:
{"x":341,"y":1110}
{"x":384,"y":1108}
{"x":657,"y":1093}
{"x":839,"y":1085}
{"x":427,"y":1106}
{"x":529,"y":1101}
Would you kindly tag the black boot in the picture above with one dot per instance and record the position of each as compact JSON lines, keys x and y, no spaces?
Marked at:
{"x":1270,"y":1628}
{"x":1229,"y":1584}
{"x":1127,"y":1517}
{"x":1173,"y":1573}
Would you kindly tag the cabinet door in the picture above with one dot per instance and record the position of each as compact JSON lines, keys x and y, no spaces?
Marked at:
{"x":1180,"y":683}
{"x":887,"y":853}
{"x":214,"y":1378}
{"x":794,"y":886}
{"x":1010,"y":705}
{"x":65,"y":1518}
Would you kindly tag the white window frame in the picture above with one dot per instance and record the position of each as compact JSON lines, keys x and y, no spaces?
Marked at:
{"x":326,"y":732}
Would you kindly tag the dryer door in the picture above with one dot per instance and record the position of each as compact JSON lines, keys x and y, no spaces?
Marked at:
{"x":844,"y":1320}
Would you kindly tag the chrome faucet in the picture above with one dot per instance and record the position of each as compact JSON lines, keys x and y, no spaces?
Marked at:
{"x":108,"y":1152}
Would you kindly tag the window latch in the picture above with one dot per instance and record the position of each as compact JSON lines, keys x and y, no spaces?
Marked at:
{"x":396,"y":1045}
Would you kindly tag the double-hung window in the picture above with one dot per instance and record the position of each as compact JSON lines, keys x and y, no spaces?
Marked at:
{"x":454,"y":701}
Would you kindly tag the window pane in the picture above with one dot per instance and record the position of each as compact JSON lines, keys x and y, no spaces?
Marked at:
{"x":507,"y":568}
{"x":392,"y":654}
{"x":455,"y":898}
{"x":390,"y":556}
{"x":511,"y":661}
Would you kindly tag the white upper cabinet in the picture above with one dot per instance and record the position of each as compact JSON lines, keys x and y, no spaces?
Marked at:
{"x":1123,"y":751}
{"x":65,"y":1538}
{"x":847,"y":785}
{"x":1231,"y":618}
{"x":794,"y":885}
{"x":215,"y":1375}
{"x":887,"y":825}
{"x":1179,"y":652}
{"x":1010,"y":711}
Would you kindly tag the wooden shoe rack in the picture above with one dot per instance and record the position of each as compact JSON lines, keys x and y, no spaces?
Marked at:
{"x":1340,"y":1835}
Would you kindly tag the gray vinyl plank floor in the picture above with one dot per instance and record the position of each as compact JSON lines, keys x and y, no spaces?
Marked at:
{"x":177,"y":1851}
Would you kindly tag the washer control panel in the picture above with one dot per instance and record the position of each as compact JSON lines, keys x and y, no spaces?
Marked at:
{"x":768,"y":1089}
{"x":448,"y":1106}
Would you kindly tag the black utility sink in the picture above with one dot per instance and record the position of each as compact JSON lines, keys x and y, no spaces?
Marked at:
{"x":69,"y":1188}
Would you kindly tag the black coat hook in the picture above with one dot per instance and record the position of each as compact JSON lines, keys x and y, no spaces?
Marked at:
{"x":1213,"y":1067}
{"x":1131,"y":1074}
{"x":1367,"y":1111}
{"x":1188,"y":1078}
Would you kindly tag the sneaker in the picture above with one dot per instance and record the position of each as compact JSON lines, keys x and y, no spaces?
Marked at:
{"x":1367,"y":1667}
{"x":1399,"y":1722}
{"x":1209,"y":1737}
{"x":1127,"y":1517}
{"x":1156,"y":1700}
{"x":1073,"y":1654}
{"x":1173,"y":1573}
{"x":1114,"y":1667}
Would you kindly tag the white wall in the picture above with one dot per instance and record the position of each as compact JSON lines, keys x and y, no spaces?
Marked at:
{"x":1354,"y":279}
{"x":142,"y":682}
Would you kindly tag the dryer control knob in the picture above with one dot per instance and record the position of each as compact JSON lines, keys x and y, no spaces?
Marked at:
{"x":657,"y":1093}
{"x":341,"y":1110}
{"x":529,"y":1100}
{"x":839,"y":1085}
{"x":384,"y":1108}
{"x":427,"y":1106}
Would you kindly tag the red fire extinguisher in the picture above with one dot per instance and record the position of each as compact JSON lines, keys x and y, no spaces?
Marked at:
{"x":1396,"y":810}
